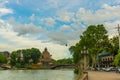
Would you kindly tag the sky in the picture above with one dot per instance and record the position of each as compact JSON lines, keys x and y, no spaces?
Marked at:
{"x":53,"y":23}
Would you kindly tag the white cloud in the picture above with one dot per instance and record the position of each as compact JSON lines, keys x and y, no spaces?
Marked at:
{"x":64,"y":15}
{"x":63,"y":38}
{"x":37,"y":9}
{"x":112,"y":27}
{"x":58,"y":37}
{"x":52,"y":3}
{"x":4,"y":11}
{"x":117,"y":1}
{"x":28,"y":29}
{"x":65,"y":28}
{"x":66,"y":4}
{"x":20,"y":42}
{"x":5,"y":26}
{"x":105,"y":14}
{"x":49,"y":22}
{"x":4,"y":47}
{"x":3,"y":2}
{"x":32,"y":17}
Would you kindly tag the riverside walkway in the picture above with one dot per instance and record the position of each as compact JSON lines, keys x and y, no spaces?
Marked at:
{"x":99,"y":75}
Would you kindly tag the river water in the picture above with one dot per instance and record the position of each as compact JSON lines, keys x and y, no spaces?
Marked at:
{"x":37,"y":75}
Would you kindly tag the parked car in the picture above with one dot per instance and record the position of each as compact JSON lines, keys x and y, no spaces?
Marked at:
{"x":113,"y":69}
{"x":118,"y":70}
{"x":91,"y":68}
{"x":108,"y":69}
{"x":99,"y":69}
{"x":103,"y":69}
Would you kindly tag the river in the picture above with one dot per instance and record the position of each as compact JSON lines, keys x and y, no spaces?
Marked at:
{"x":37,"y":75}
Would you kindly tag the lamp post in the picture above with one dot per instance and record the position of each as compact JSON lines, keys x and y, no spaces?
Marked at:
{"x":84,"y":52}
{"x":119,"y":34}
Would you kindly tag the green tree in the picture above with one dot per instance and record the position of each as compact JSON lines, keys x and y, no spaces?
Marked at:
{"x":65,"y":61}
{"x":23,"y":57}
{"x":35,"y":55}
{"x":16,"y":59}
{"x":95,"y":39}
{"x":117,"y":60}
{"x":75,"y":51}
{"x":114,"y":46}
{"x":95,"y":36}
{"x":13,"y":58}
{"x":3,"y":59}
{"x":26,"y":55}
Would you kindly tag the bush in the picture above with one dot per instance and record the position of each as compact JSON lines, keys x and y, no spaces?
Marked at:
{"x":18,"y":65}
{"x":29,"y":67}
{"x":117,"y":59}
{"x":76,"y":71}
{"x":3,"y":59}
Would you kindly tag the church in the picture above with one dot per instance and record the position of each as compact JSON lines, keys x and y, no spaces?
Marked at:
{"x":46,"y":57}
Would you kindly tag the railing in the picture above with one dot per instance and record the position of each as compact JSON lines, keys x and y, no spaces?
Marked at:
{"x":84,"y":77}
{"x":60,"y":65}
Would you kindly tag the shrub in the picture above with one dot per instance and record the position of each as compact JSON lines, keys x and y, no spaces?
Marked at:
{"x":29,"y":67}
{"x":76,"y":71}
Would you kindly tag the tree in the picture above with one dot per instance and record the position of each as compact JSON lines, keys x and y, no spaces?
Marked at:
{"x":95,"y":39}
{"x":13,"y":58}
{"x":16,"y":59}
{"x":26,"y":55}
{"x":3,"y":59}
{"x":75,"y":51}
{"x":114,"y":46}
{"x":94,"y":36}
{"x":65,"y":61}
{"x":117,"y":60}
{"x":35,"y":55}
{"x":23,"y":57}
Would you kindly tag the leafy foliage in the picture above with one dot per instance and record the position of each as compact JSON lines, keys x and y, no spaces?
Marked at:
{"x":95,"y":39}
{"x":113,"y":48}
{"x":117,"y":60}
{"x":28,"y":56}
{"x":3,"y":59}
{"x":75,"y":50}
{"x":65,"y":61}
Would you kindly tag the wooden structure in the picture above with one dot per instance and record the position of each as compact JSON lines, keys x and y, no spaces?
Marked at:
{"x":46,"y":57}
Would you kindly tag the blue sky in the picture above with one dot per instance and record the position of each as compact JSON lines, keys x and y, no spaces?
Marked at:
{"x":53,"y":23}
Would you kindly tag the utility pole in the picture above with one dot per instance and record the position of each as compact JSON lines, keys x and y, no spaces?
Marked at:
{"x":119,"y":35}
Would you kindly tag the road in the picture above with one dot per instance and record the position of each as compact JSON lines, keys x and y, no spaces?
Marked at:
{"x":99,"y":75}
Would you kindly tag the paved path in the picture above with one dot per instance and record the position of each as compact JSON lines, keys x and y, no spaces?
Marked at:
{"x":99,"y":75}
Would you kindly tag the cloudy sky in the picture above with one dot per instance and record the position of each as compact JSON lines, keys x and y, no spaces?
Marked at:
{"x":53,"y":23}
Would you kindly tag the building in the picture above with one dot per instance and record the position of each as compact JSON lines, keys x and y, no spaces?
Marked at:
{"x":46,"y":57}
{"x":105,"y":60}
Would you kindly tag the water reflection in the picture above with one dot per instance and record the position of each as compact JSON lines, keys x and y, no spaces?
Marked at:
{"x":37,"y":75}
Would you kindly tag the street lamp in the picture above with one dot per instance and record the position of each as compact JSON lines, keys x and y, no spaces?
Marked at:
{"x":119,"y":34}
{"x":84,"y":52}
